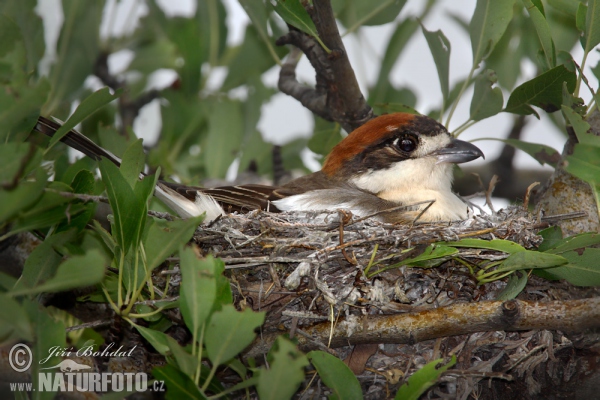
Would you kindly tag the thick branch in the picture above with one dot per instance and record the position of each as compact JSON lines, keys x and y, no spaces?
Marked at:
{"x":344,"y":98}
{"x":457,"y":319}
{"x":337,"y":96}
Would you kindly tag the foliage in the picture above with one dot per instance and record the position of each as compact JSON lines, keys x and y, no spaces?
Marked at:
{"x":42,"y":193}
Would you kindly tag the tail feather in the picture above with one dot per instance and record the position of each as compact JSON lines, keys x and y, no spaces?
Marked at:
{"x":166,"y":192}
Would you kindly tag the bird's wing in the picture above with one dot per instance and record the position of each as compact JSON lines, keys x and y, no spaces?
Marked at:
{"x":241,"y":198}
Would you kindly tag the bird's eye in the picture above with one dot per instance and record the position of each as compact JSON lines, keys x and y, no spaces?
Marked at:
{"x":407,"y":144}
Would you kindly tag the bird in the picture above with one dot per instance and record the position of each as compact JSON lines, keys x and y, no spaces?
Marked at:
{"x":397,"y":168}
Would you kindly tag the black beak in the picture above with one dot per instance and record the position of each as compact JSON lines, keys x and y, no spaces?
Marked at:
{"x":457,"y":152}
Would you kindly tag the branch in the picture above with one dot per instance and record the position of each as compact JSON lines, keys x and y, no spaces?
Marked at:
{"x":128,"y":109}
{"x":454,"y":320}
{"x":337,"y":96}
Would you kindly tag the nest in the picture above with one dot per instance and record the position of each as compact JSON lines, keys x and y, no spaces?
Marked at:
{"x":320,"y":276}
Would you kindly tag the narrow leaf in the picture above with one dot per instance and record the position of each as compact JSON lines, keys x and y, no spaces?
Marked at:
{"x":530,"y":260}
{"x":198,"y":289}
{"x":179,"y":385}
{"x":574,"y":242}
{"x":583,"y":268}
{"x":515,"y":285}
{"x":543,"y":31}
{"x":89,"y":105}
{"x":423,"y":379}
{"x":505,"y":246}
{"x":76,"y":272}
{"x":592,"y":25}
{"x":487,"y":100}
{"x":439,"y":45}
{"x":336,"y":375}
{"x":540,"y":152}
{"x":489,"y":22}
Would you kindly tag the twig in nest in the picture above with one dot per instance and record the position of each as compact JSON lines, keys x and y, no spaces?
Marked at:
{"x":388,"y":210}
{"x":422,"y":212}
{"x":528,"y":195}
{"x":488,"y":193}
{"x":345,"y":217}
{"x":526,"y":356}
{"x":79,"y":196}
{"x":93,"y":324}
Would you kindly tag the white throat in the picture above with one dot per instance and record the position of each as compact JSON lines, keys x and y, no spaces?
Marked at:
{"x":416,"y":180}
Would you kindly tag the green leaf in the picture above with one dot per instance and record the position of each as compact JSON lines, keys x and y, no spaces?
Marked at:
{"x":23,"y":13}
{"x":592,"y":25}
{"x":21,"y":197}
{"x":13,"y":156}
{"x":584,"y":163}
{"x":552,"y":237}
{"x":487,"y":101}
{"x":515,"y":285}
{"x":432,"y":252}
{"x":198,"y":289}
{"x":490,"y":19}
{"x":133,"y":162}
{"x":536,"y":13}
{"x":285,"y":374}
{"x":224,"y":136}
{"x":18,"y":106}
{"x":250,"y":60}
{"x":257,"y":12}
{"x":49,"y":333}
{"x":336,"y":375}
{"x":157,"y":54}
{"x":439,"y":45}
{"x":505,"y":246}
{"x":163,"y":238}
{"x":77,"y":49}
{"x":89,"y":105}
{"x":583,"y":268}
{"x":540,"y":152}
{"x":294,"y":14}
{"x":76,"y":272}
{"x":581,"y":127}
{"x":128,"y":208}
{"x":544,"y":91}
{"x":158,"y":340}
{"x":568,"y":7}
{"x":423,"y":379}
{"x":14,"y":317}
{"x":179,"y":385}
{"x":43,"y":262}
{"x":325,"y":137}
{"x":530,"y":260}
{"x":574,"y":242}
{"x":369,"y":13}
{"x":229,"y":332}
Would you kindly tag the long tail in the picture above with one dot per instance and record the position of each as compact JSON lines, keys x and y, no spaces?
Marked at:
{"x":167,"y":193}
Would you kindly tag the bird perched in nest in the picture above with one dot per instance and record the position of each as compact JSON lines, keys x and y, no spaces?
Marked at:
{"x":398,"y":162}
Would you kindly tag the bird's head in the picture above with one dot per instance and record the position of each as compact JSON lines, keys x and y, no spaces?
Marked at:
{"x":399,"y":152}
